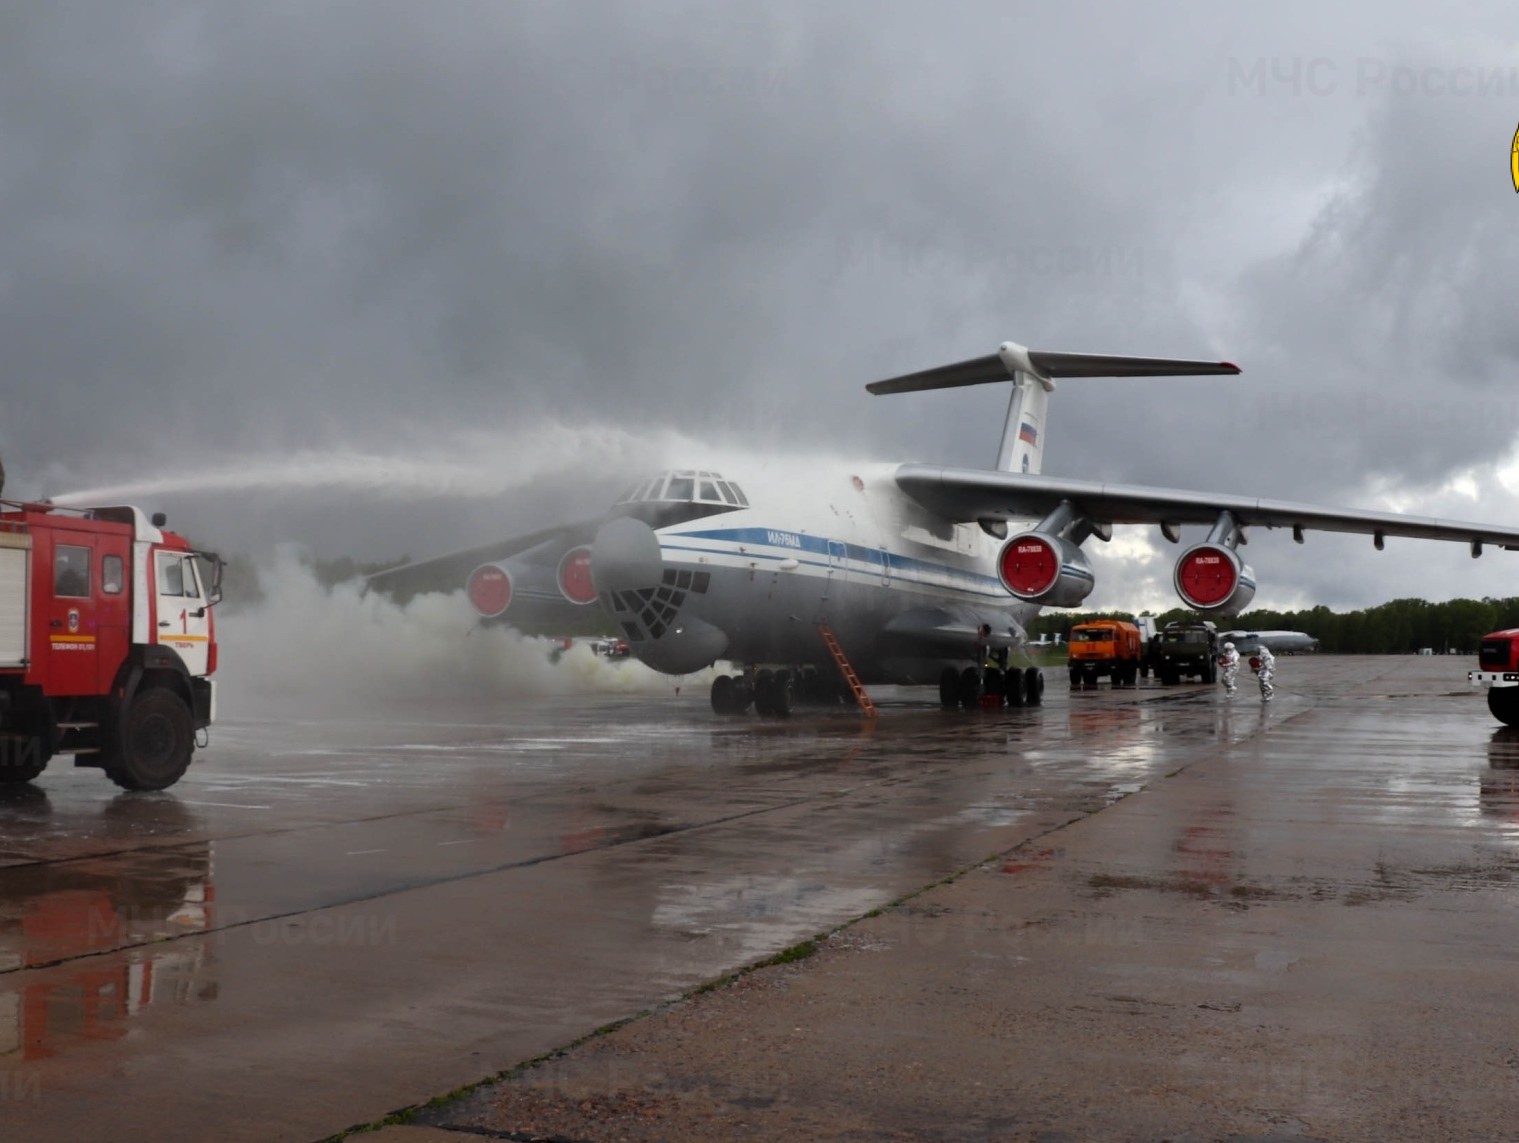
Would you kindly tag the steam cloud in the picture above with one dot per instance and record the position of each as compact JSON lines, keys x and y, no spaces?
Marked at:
{"x":308,"y":648}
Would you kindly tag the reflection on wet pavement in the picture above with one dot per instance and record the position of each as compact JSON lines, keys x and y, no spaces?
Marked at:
{"x":506,"y":880}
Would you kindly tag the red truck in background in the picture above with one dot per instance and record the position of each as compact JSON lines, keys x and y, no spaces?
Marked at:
{"x":1498,"y":671}
{"x":1109,"y":647}
{"x":107,"y":643}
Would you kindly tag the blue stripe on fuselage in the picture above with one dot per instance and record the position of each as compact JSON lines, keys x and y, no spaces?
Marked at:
{"x":795,"y":542}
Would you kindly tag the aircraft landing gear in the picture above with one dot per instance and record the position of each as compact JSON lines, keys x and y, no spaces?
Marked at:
{"x":949,"y":688}
{"x":1013,"y":687}
{"x":773,"y":694}
{"x":730,"y":695}
{"x":970,"y":688}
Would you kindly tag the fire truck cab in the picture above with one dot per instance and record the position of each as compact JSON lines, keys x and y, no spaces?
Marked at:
{"x":107,"y":643}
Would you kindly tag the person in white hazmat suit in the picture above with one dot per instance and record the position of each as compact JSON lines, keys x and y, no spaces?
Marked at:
{"x":1266,"y":672}
{"x":1229,"y":662}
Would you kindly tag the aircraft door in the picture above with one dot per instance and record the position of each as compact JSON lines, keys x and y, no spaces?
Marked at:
{"x":183,"y":614}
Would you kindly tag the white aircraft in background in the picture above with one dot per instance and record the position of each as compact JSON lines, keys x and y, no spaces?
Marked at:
{"x":916,"y":572}
{"x":1277,"y":642}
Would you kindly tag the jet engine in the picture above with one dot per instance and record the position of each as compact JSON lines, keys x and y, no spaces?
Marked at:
{"x":574,"y":576}
{"x":489,"y":588}
{"x":1040,"y":568}
{"x":1212,"y":577}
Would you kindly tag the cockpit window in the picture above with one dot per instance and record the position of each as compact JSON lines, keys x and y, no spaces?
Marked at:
{"x":685,"y":487}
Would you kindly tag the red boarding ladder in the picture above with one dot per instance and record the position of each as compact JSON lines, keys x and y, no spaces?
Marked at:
{"x":867,"y":708}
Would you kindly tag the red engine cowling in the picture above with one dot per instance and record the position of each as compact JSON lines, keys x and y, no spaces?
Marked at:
{"x":1211,"y":577}
{"x":574,"y":576}
{"x":1039,"y":568}
{"x":490,"y":590}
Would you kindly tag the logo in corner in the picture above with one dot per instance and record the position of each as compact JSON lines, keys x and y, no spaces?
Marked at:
{"x":1513,"y":161}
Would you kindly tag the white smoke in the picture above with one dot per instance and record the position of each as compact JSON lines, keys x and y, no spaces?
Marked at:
{"x":308,"y":648}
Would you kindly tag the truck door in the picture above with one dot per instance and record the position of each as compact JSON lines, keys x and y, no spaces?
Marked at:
{"x":183,"y":620}
{"x":70,"y":611}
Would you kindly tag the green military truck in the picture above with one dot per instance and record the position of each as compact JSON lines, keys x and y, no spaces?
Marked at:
{"x":1183,"y":650}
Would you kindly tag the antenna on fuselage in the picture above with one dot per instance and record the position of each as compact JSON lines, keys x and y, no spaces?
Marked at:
{"x":1033,"y":373}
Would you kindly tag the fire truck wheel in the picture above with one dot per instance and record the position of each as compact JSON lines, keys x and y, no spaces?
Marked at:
{"x":15,"y":773}
{"x":1504,"y":703}
{"x":157,"y":737}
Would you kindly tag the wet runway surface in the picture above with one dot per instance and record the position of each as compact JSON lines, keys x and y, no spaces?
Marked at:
{"x":329,"y":919}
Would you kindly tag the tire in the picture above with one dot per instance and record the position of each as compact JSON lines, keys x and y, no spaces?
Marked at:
{"x":1033,"y":686}
{"x":764,"y":683}
{"x":1075,"y":677}
{"x":722,"y":695}
{"x":18,"y":762}
{"x":782,"y":695}
{"x":1504,"y":704}
{"x":994,"y":682}
{"x":156,"y":739}
{"x":949,"y":688}
{"x":1013,"y":688}
{"x":970,"y":688}
{"x":743,"y":695}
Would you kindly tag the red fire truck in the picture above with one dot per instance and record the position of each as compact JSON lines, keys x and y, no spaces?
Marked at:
{"x":107,"y":643}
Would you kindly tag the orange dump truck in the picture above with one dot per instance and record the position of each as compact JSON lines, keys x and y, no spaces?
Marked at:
{"x":1109,"y":647}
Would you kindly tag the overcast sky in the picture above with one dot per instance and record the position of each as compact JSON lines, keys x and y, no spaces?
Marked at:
{"x":389,"y":277}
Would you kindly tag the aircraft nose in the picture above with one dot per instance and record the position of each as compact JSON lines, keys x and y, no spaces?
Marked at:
{"x":625,"y":556}
{"x":649,"y":600}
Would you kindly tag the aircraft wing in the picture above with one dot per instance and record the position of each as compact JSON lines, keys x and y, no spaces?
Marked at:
{"x":967,"y":494}
{"x":448,"y":573}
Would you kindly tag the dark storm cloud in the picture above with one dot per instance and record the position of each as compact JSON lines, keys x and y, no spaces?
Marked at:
{"x":236,"y":229}
{"x":275,"y":217}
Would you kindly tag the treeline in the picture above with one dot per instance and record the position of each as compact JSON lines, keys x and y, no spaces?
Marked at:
{"x":1404,"y":626}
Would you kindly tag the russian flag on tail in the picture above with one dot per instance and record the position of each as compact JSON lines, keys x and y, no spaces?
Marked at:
{"x":1027,"y":432}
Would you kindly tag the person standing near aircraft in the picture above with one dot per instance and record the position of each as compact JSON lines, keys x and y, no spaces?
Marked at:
{"x":1229,"y":661}
{"x":1266,"y":672}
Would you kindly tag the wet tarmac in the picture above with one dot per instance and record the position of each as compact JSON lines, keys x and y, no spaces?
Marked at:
{"x":1181,"y":915}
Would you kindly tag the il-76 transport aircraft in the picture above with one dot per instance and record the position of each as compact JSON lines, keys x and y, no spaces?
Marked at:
{"x":916,"y":573}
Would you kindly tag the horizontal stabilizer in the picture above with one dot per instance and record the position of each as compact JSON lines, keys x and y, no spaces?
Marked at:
{"x":1012,"y":358}
{"x":978,"y":371}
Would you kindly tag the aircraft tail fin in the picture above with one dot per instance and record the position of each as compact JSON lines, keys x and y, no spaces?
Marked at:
{"x":1022,"y":448}
{"x":1033,"y":373}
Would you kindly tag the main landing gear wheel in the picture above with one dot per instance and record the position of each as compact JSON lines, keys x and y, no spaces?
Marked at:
{"x":730,"y":695}
{"x":1033,"y":686}
{"x":970,"y":688}
{"x":949,"y":688}
{"x":773,"y":694}
{"x":1504,"y":703}
{"x":1014,"y":688}
{"x":154,"y":745}
{"x":993,"y":682}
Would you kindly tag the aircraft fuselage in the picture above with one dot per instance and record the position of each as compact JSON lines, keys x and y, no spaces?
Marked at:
{"x":903,"y":591}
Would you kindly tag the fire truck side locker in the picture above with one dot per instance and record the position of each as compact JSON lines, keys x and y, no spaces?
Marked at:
{"x":15,"y":598}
